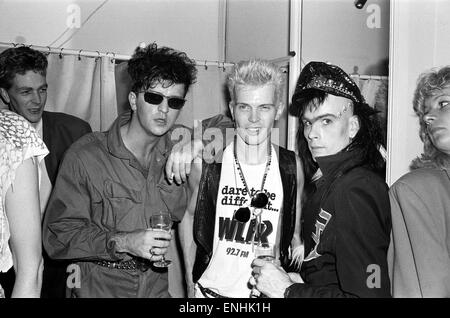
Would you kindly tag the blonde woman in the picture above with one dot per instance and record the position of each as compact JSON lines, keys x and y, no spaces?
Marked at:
{"x":419,"y":255}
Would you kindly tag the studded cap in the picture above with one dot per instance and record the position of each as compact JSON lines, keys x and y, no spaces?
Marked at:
{"x":328,"y":78}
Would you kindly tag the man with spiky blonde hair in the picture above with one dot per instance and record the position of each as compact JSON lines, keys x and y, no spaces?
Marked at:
{"x":248,"y":196}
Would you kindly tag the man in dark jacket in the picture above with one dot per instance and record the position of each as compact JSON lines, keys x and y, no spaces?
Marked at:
{"x":23,"y":87}
{"x":346,"y":220}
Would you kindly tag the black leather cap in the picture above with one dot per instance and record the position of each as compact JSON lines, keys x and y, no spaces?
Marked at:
{"x":328,"y":78}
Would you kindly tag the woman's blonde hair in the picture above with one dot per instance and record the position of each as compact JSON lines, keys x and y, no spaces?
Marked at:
{"x":429,"y":84}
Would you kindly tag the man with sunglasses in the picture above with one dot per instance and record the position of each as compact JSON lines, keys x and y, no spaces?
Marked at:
{"x":247,"y":196}
{"x":346,"y":219}
{"x":110,"y":183}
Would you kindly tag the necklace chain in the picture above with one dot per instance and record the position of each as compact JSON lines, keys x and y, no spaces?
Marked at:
{"x":241,"y":173}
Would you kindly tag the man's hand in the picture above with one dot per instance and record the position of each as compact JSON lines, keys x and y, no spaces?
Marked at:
{"x":270,"y":279}
{"x":178,"y":165}
{"x":149,"y":244}
{"x":296,"y":278}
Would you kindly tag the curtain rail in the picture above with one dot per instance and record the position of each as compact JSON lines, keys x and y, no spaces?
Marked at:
{"x":283,"y":61}
{"x":87,"y":53}
{"x":374,"y":77}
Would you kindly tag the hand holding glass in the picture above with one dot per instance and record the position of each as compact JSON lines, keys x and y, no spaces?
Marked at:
{"x":161,"y":221}
{"x":265,"y":252}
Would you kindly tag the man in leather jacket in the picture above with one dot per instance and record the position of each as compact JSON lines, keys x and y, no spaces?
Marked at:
{"x":346,"y":218}
{"x":218,"y":246}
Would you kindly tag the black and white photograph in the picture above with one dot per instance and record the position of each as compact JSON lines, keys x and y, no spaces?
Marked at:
{"x":256,"y":151}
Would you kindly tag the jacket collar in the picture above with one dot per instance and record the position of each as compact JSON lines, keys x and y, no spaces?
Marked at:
{"x":115,"y":142}
{"x":447,"y":171}
{"x":343,"y":161}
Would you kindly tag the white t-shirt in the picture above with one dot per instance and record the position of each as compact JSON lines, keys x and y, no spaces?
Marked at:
{"x":230,"y":269}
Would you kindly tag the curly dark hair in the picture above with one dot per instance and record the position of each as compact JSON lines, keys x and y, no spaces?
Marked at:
{"x":19,"y":60}
{"x":367,"y":140}
{"x":151,"y":66}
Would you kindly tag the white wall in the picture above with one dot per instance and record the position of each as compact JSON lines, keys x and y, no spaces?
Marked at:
{"x":257,"y":28}
{"x":118,"y":26}
{"x":337,"y":32}
{"x":419,"y":41}
{"x":34,"y":22}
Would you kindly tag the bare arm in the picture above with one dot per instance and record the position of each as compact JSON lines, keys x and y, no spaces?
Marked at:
{"x":186,"y":229}
{"x":182,"y":155}
{"x":296,"y":243}
{"x":23,"y":212}
{"x":178,"y":166}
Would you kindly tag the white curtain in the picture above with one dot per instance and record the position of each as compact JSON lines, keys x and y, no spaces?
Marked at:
{"x":370,"y":88}
{"x":81,"y":86}
{"x":375,"y":91}
{"x":84,"y":87}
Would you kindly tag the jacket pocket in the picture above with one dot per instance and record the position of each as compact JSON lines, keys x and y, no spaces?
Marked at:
{"x":122,"y":207}
{"x":175,"y":199}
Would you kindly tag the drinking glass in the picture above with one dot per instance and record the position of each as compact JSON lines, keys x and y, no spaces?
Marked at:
{"x":266,"y":252}
{"x":161,"y":221}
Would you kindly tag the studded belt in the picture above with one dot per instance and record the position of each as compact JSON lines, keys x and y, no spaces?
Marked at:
{"x":208,"y":293}
{"x":132,"y":264}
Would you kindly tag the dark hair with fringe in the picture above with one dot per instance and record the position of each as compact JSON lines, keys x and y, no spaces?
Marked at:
{"x":19,"y":60}
{"x":428,"y":84}
{"x":367,"y":140}
{"x":151,"y":66}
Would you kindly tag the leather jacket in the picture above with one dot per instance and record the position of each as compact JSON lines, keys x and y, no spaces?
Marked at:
{"x":205,"y":211}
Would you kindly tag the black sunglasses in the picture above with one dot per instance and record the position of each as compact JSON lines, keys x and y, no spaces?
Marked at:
{"x":155,"y":98}
{"x":259,"y":201}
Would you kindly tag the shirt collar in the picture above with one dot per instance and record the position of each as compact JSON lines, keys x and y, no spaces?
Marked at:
{"x":38,"y":127}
